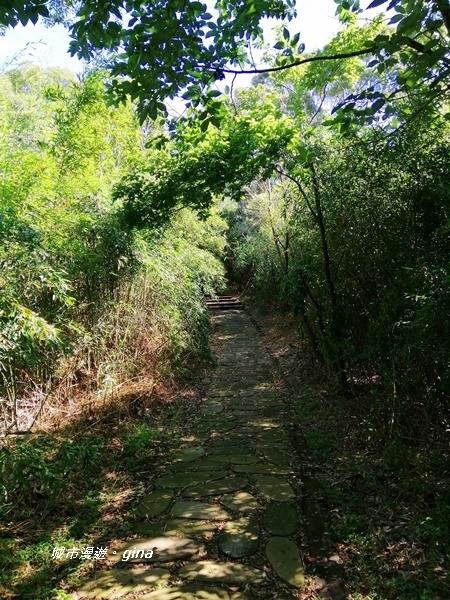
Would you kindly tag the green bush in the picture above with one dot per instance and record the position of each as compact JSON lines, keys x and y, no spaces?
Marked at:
{"x":82,"y":296}
{"x":43,"y":467}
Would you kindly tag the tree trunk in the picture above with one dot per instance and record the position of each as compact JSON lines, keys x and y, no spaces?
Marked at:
{"x":336,"y":320}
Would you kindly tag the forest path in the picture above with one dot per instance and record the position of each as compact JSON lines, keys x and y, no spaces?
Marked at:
{"x":221,"y":521}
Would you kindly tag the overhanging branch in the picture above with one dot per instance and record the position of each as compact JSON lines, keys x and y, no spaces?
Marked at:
{"x":297,"y":63}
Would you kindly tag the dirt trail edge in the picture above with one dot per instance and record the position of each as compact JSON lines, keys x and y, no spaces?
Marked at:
{"x":223,"y":520}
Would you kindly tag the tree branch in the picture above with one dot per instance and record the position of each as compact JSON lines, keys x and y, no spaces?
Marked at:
{"x":300,"y":188}
{"x":302,"y":62}
{"x":444,"y":8}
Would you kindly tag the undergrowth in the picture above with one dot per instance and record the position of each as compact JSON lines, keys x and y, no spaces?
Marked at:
{"x":383,"y":490}
{"x":387,"y":502}
{"x":73,"y":488}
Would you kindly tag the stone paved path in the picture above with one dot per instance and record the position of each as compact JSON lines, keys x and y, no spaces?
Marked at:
{"x":221,"y":522}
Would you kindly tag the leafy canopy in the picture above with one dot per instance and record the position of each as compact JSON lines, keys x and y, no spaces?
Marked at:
{"x":197,"y":166}
{"x":158,"y":50}
{"x":415,"y":51}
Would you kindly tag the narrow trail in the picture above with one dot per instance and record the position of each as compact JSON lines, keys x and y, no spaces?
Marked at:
{"x":221,"y":521}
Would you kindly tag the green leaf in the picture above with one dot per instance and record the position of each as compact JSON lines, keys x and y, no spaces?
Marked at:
{"x":376,"y":3}
{"x":395,"y":19}
{"x":377,"y":105}
{"x":295,"y":39}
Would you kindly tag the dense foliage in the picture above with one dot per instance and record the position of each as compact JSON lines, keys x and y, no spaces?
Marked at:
{"x":156,"y":51}
{"x":348,"y":232}
{"x":324,"y":188}
{"x":72,"y":271}
{"x":351,"y":233}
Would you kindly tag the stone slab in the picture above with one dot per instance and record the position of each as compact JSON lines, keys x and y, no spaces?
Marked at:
{"x":272,"y":411}
{"x":191,"y":509}
{"x":182,"y":467}
{"x":209,"y":464}
{"x":264,"y":423}
{"x":191,"y":453}
{"x":277,"y":457}
{"x":221,"y":393}
{"x":180,"y":480}
{"x":281,"y":519}
{"x":175,"y":528}
{"x":245,"y":414}
{"x":262,"y":469}
{"x":239,"y":538}
{"x":212,"y":409}
{"x":235,"y":459}
{"x":274,"y":488}
{"x":241,"y":502}
{"x":116,"y":583}
{"x":189,"y":592}
{"x":241,"y":405}
{"x":224,"y":427}
{"x":228,"y":442}
{"x":215,"y":448}
{"x":226,"y":572}
{"x":284,"y":557}
{"x":273,"y":436}
{"x":158,"y":549}
{"x":154,"y":503}
{"x":216,"y":488}
{"x":205,"y":426}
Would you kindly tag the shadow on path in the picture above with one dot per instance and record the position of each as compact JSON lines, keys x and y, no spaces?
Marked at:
{"x":222,"y":520}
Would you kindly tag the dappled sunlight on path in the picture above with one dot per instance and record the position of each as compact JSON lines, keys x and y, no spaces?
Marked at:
{"x":221,"y":521}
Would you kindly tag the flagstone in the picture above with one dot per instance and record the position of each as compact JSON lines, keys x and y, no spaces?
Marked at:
{"x":211,"y":465}
{"x":180,"y":480}
{"x":262,"y":469}
{"x":226,"y":572}
{"x":116,"y":583}
{"x":264,"y":423}
{"x":247,"y":414}
{"x":228,"y":442}
{"x":216,"y":488}
{"x":281,"y":519}
{"x":240,"y":404}
{"x":221,"y":393}
{"x":191,"y":453}
{"x":241,"y":502}
{"x":224,"y":427}
{"x":205,"y":426}
{"x":239,"y":538}
{"x":273,"y":436}
{"x":235,"y":459}
{"x":274,"y":488}
{"x":188,"y":592}
{"x":284,"y":557}
{"x":155,"y":503}
{"x":158,"y":549}
{"x":236,"y":438}
{"x":215,"y":448}
{"x":191,"y":509}
{"x":212,"y":409}
{"x":175,"y":528}
{"x":242,"y":436}
{"x":272,"y":411}
{"x":277,"y":457}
